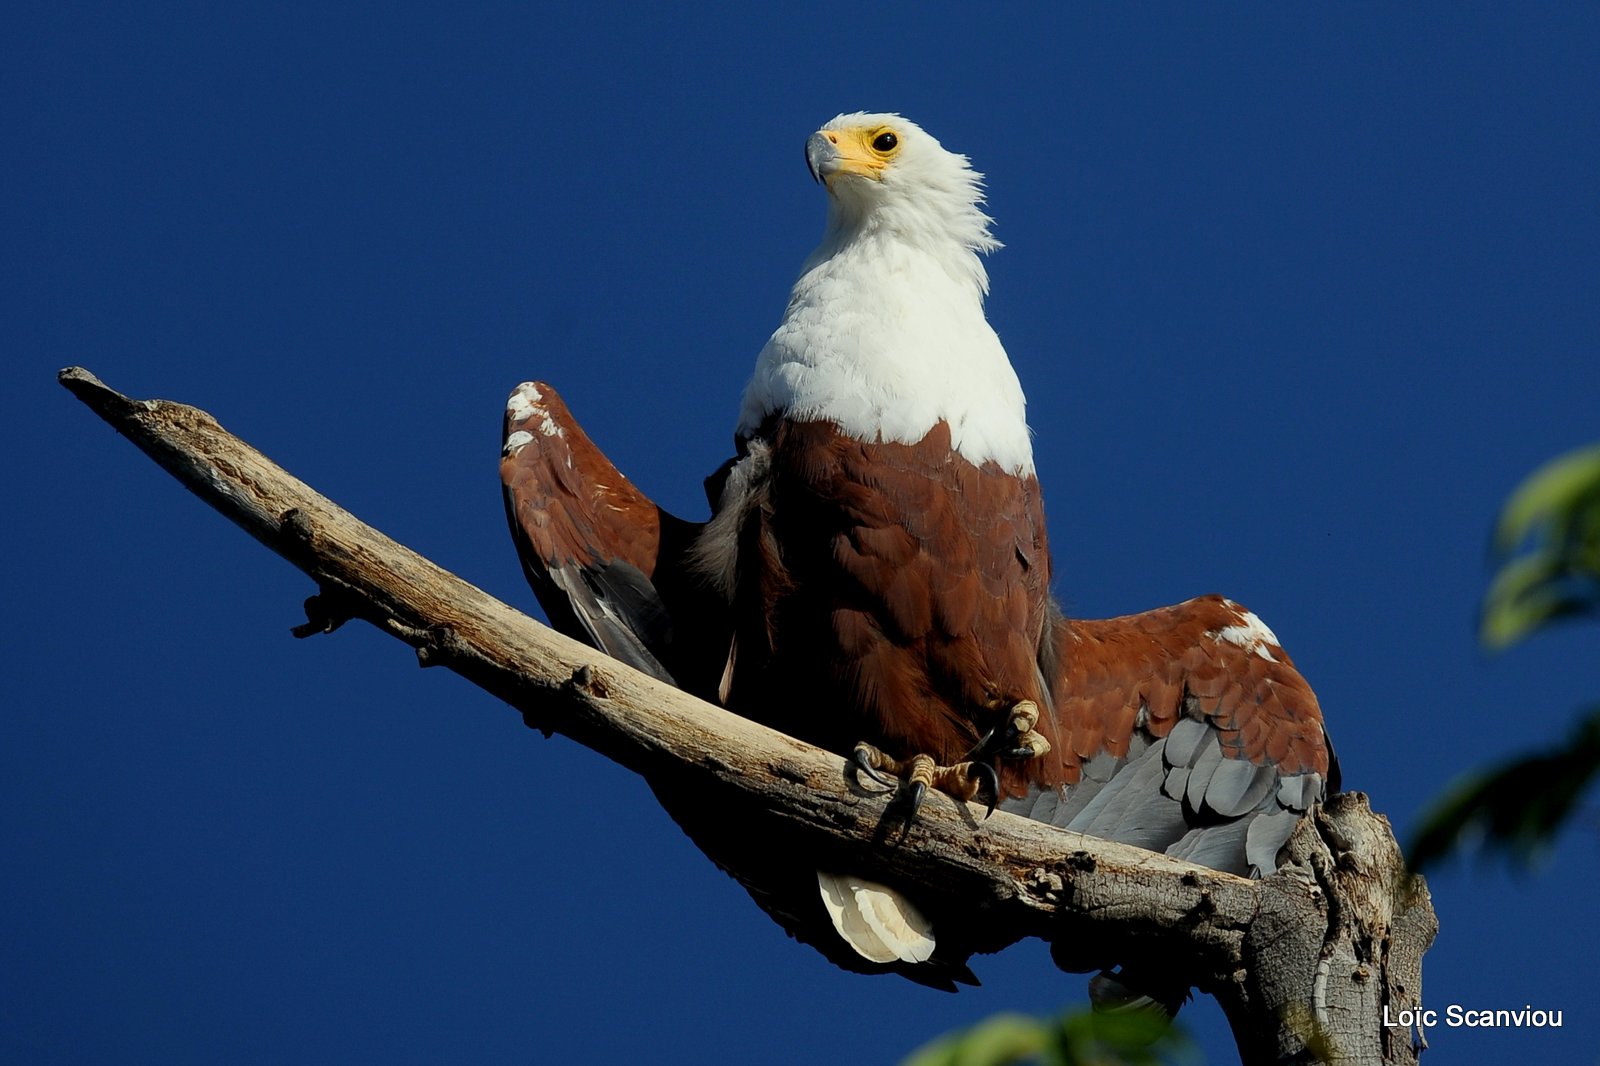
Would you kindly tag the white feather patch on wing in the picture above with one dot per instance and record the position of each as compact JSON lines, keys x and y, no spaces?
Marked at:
{"x":875,"y":920}
{"x":517,"y":441}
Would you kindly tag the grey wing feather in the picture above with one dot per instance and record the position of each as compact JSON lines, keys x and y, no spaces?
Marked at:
{"x":1239,"y":785}
{"x":1184,"y":741}
{"x":620,"y":610}
{"x":1132,"y":809}
{"x":1218,"y":846}
{"x":1205,"y":764}
{"x":1269,"y":831}
{"x":1222,"y":811}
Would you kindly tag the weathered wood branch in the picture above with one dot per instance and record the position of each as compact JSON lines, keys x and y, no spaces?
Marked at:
{"x":1304,"y":963}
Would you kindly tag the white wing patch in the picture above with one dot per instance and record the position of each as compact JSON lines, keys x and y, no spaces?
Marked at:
{"x":1250,"y":633}
{"x":525,"y":404}
{"x":517,"y":441}
{"x":875,"y":920}
{"x":520,"y":404}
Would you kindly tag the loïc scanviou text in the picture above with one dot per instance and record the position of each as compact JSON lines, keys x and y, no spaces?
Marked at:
{"x":1457,"y":1016}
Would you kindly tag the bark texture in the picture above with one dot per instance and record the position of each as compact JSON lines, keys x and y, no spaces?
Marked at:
{"x":1303,"y":963}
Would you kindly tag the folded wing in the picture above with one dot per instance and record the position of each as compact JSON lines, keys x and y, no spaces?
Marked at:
{"x":1189,"y":731}
{"x":606,"y":563}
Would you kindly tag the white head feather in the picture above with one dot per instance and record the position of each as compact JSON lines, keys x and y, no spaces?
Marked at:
{"x":884,"y":334}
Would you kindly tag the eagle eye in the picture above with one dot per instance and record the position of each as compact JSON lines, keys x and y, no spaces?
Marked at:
{"x":885,"y":142}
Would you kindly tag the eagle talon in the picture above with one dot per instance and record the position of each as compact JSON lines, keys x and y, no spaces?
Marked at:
{"x":991,"y":778}
{"x":1024,"y":716}
{"x":914,"y":794}
{"x":1015,"y":738}
{"x":867,"y":760}
{"x":915,"y":777}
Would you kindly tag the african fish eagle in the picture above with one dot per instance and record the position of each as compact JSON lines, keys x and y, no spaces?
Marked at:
{"x":875,"y":576}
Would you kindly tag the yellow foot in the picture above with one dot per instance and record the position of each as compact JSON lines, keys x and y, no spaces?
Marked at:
{"x":1015,"y":738}
{"x":920,"y":773}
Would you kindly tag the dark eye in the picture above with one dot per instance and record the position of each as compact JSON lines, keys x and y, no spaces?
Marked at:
{"x":885,"y":142}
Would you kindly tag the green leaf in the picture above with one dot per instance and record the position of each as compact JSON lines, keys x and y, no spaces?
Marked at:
{"x":1080,"y":1037}
{"x":1556,"y":494}
{"x":1555,"y":517}
{"x":996,"y":1041}
{"x":1139,"y":1037}
{"x":1527,"y":594}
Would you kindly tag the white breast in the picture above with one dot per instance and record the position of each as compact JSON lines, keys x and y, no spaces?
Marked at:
{"x":885,"y":340}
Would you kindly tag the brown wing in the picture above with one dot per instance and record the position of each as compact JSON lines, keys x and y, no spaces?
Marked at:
{"x":894,"y":593}
{"x":608,"y":565}
{"x":613,"y":569}
{"x":1187,"y":730}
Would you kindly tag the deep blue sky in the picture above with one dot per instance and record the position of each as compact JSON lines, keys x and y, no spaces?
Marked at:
{"x":1297,"y":298}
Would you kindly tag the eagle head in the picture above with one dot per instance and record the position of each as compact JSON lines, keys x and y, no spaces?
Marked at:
{"x":887,"y":175}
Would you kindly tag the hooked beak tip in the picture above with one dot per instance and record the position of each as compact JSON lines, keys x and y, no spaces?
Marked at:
{"x":822,"y":157}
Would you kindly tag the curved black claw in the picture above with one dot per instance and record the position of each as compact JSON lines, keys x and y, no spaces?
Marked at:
{"x":903,"y":807}
{"x":1001,"y":742}
{"x":986,"y":771}
{"x":981,"y":748}
{"x":863,"y":764}
{"x":915,"y":793}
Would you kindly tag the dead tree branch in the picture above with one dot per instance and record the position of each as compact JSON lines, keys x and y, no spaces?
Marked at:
{"x":1304,"y":963}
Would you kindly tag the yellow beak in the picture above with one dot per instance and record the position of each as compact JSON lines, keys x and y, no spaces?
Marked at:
{"x":830,"y":153}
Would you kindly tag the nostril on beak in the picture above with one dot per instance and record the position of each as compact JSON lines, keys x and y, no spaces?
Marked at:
{"x":833,"y":138}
